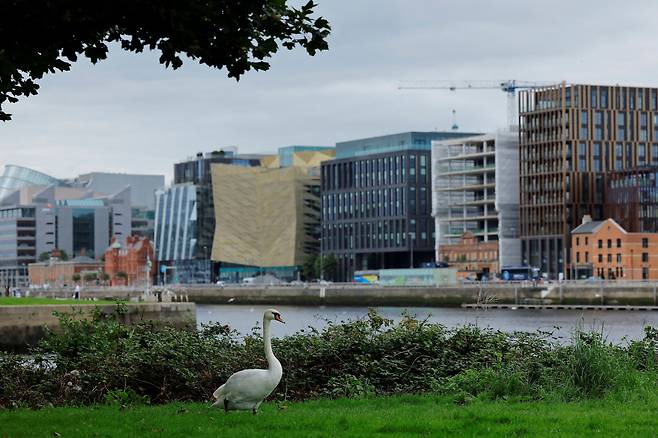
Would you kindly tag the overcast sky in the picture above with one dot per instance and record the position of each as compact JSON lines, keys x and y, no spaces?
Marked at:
{"x":129,"y":114}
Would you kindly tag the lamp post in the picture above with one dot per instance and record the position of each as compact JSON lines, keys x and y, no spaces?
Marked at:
{"x":207,"y":271}
{"x":412,"y":238}
{"x":321,"y":261}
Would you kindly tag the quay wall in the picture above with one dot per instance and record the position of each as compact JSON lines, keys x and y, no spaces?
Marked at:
{"x":24,"y":326}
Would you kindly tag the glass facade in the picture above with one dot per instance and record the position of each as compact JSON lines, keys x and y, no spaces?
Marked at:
{"x":632,"y":199}
{"x":176,"y":223}
{"x":15,"y":177}
{"x":83,"y":232}
{"x":390,"y":143}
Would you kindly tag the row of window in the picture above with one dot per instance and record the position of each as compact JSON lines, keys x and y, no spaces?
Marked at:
{"x":593,"y":97}
{"x":375,"y":172}
{"x":375,"y":203}
{"x":645,"y":257}
{"x":645,"y":242}
{"x":378,"y":234}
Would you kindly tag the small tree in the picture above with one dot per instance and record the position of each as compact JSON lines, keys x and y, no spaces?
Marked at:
{"x":75,"y":278}
{"x":44,"y":256}
{"x":63,"y":256}
{"x":327,"y":267}
{"x":90,"y":276}
{"x":309,"y":271}
{"x":105,"y":277}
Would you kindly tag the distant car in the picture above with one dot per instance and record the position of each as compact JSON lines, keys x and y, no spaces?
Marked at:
{"x":325,"y":282}
{"x":220,"y":283}
{"x":297,"y":283}
{"x":248,"y":280}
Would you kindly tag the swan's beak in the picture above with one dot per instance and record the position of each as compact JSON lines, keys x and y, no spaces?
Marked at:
{"x":278,"y":318}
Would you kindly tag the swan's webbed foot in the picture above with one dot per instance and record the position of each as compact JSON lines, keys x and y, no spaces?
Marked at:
{"x":254,"y":411}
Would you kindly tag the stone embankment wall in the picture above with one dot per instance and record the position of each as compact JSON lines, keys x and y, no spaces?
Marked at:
{"x":348,"y":295}
{"x":22,"y":326}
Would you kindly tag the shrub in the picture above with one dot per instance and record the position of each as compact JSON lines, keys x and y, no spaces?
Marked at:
{"x":102,"y":361}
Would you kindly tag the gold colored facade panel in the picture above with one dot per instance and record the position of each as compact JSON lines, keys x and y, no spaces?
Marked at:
{"x":261,"y":214}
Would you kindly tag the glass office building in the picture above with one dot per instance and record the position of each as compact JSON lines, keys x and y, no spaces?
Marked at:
{"x":376,"y":202}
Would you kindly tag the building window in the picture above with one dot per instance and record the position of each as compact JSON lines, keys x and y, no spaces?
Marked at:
{"x":600,"y":243}
{"x":609,"y":258}
{"x":577,"y":241}
{"x":609,"y":243}
{"x":618,"y":258}
{"x":586,"y":257}
{"x":645,"y":273}
{"x":600,"y":258}
{"x":645,"y":257}
{"x":577,"y":257}
{"x":645,"y":242}
{"x":618,"y":243}
{"x":586,"y":241}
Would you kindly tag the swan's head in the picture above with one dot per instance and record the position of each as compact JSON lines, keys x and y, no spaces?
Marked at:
{"x":273,"y":314}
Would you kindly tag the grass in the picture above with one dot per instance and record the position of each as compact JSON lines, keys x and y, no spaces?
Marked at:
{"x":35,"y":301}
{"x":399,"y":416}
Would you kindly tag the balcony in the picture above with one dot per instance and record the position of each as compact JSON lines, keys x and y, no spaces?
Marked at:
{"x":445,"y":171}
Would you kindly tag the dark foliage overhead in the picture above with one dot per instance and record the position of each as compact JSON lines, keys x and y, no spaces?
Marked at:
{"x":45,"y":36}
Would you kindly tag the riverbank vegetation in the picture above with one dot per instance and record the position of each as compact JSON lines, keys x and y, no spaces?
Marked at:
{"x":396,"y":416}
{"x":101,"y":361}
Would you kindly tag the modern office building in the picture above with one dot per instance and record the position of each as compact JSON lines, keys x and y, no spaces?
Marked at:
{"x":268,"y":218}
{"x":376,"y":202}
{"x":475,"y":190}
{"x":142,"y":195}
{"x":35,"y":220}
{"x":298,"y":155}
{"x":15,"y":177}
{"x":142,"y":187}
{"x":185,"y":217}
{"x":571,"y":137}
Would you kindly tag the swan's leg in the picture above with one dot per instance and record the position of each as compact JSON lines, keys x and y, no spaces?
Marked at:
{"x":225,"y":405}
{"x":254,"y":411}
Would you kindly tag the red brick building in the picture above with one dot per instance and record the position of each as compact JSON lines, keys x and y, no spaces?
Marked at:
{"x":605,"y":249}
{"x":130,"y":260}
{"x":470,"y":256}
{"x":60,"y":273}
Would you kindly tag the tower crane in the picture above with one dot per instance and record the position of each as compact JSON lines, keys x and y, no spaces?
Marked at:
{"x":508,"y":86}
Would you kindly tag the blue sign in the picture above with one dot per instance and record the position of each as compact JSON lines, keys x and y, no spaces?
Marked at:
{"x":163,"y":269}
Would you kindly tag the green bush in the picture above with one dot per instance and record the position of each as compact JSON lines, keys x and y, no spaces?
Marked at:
{"x":101,"y":361}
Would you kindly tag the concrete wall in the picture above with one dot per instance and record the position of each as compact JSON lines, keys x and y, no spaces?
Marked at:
{"x":644,"y":294}
{"x":22,"y":326}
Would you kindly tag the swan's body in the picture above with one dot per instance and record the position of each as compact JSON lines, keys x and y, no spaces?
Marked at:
{"x":246,"y":389}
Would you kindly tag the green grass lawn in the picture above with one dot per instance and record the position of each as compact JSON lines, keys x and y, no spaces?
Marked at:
{"x":33,"y":301}
{"x":400,"y":416}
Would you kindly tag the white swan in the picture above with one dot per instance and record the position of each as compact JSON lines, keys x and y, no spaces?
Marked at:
{"x":246,"y":389}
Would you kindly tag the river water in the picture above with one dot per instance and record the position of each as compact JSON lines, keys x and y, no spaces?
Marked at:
{"x":616,"y":326}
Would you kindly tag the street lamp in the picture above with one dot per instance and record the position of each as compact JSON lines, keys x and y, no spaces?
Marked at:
{"x":207,"y":273}
{"x":412,"y":238}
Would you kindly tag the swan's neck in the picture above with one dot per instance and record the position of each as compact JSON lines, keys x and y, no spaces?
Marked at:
{"x":273,"y":363}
